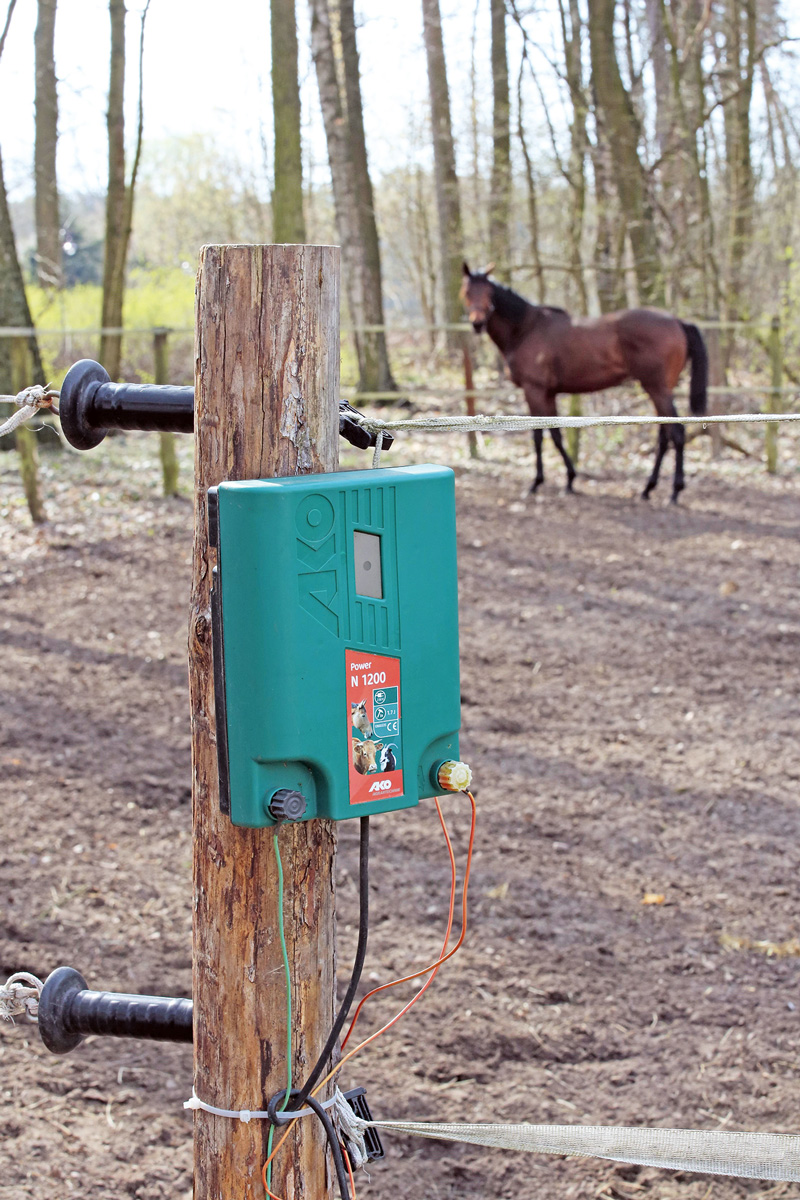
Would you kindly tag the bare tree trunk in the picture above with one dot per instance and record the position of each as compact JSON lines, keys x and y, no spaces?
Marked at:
{"x":624,"y":134}
{"x":654,"y":10}
{"x":288,"y":224}
{"x":500,"y":188}
{"x":114,"y":259}
{"x":48,"y":226}
{"x":609,"y":242}
{"x":352,"y":196}
{"x":119,"y":198}
{"x":571,"y":33}
{"x":344,"y":200}
{"x":14,"y":310}
{"x":24,"y":436}
{"x":447,"y":199}
{"x":376,"y":375}
{"x":740,"y":53}
{"x":533,"y":204}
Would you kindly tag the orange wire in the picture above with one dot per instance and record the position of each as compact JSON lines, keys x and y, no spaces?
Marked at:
{"x":433,"y":968}
{"x":349,"y":1166}
{"x":424,"y":971}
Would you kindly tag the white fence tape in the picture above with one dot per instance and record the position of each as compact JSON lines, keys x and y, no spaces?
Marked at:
{"x":714,"y":1152}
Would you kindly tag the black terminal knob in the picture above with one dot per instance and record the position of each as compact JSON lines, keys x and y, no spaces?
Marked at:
{"x":287,"y":805}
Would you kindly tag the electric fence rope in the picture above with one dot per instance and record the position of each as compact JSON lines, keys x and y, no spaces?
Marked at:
{"x":30,"y":401}
{"x":19,"y":996}
{"x":517,"y":424}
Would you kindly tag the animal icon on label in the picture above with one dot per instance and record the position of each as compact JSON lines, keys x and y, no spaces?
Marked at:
{"x":364,"y":754}
{"x":388,"y":761}
{"x":360,"y":720}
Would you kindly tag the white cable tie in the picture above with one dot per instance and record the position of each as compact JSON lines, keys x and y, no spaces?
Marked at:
{"x":246,"y":1115}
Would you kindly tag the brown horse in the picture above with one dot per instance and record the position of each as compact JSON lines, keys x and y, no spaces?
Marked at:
{"x":547,"y":353}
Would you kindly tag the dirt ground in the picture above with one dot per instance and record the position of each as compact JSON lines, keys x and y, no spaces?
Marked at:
{"x":629,"y":678}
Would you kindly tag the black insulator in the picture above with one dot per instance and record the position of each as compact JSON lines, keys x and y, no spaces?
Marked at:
{"x":68,"y":1011}
{"x":90,"y":404}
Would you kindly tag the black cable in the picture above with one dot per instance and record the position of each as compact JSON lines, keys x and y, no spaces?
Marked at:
{"x":333,"y":1142}
{"x":276,"y":1105}
{"x":361,"y":951}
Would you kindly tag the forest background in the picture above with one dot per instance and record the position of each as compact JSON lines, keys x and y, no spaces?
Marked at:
{"x":601,"y":153}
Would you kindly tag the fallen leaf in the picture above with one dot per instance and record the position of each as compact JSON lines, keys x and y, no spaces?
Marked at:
{"x":653,"y":898}
{"x":498,"y":893}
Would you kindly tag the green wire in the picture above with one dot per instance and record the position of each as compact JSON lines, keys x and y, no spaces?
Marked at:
{"x":285,"y":953}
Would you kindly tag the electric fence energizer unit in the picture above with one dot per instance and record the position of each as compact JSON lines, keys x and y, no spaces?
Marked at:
{"x":335,"y":614}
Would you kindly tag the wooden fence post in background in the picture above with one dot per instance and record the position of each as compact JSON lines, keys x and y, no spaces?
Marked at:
{"x":469,"y":395}
{"x":716,"y":378}
{"x":574,"y":435}
{"x":166,"y":447}
{"x":21,"y":377}
{"x":774,"y":402}
{"x":266,"y":404}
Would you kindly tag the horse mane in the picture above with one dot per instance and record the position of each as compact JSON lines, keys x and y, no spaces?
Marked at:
{"x":513,"y":307}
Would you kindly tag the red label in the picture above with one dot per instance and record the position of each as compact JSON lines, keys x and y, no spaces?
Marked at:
{"x":373,"y":726}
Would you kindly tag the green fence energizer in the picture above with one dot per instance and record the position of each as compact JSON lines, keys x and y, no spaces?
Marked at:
{"x":335,"y":621}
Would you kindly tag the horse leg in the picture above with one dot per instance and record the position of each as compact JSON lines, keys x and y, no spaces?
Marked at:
{"x":568,"y":463}
{"x":678,"y":433}
{"x":538,"y":437}
{"x":661,"y":450}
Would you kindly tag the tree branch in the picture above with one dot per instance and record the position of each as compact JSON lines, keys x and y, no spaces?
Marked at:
{"x":4,"y":34}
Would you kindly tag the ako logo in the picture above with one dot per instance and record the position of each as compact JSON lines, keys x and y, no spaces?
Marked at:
{"x":316,"y":546}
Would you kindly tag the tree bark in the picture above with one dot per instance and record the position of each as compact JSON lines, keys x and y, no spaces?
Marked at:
{"x":573,"y":60}
{"x":352,"y":195}
{"x":115,"y":242}
{"x":500,"y":187}
{"x":266,"y":393}
{"x":609,"y":241}
{"x":288,"y":224}
{"x":24,"y":436}
{"x":119,"y":197}
{"x":447,"y":198}
{"x":624,"y":135}
{"x":374,"y":370}
{"x":48,"y":225}
{"x":14,"y":309}
{"x":533,"y":200}
{"x":740,"y":53}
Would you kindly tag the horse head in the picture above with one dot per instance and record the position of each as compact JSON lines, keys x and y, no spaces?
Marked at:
{"x":477,"y":292}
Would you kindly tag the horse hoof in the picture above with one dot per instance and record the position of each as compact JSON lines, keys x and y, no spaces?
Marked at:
{"x":537,"y":483}
{"x":646,"y":493}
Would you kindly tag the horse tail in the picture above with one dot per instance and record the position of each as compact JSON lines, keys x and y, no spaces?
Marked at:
{"x":698,"y":357}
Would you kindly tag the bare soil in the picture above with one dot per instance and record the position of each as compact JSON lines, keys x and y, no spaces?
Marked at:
{"x":629,"y":678}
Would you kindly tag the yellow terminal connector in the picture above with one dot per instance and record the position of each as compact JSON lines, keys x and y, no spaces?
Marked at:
{"x":454,"y":776}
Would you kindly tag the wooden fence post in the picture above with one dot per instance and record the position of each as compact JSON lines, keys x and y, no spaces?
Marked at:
{"x":469,"y":395}
{"x":574,"y":435}
{"x":166,"y":441}
{"x":266,"y":404}
{"x":716,"y":379}
{"x":774,"y":398}
{"x":21,"y":376}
